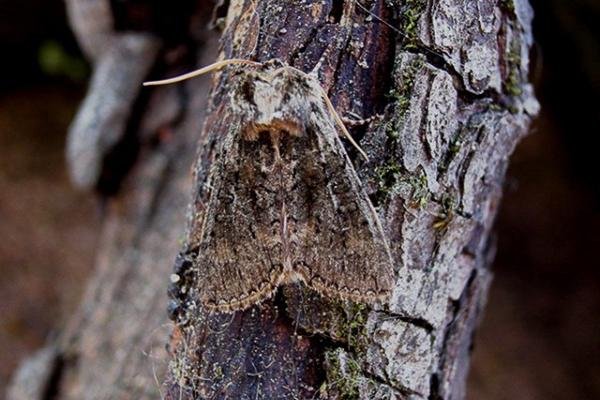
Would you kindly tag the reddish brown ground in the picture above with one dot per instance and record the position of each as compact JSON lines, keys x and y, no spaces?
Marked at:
{"x":540,"y":338}
{"x":47,"y":230}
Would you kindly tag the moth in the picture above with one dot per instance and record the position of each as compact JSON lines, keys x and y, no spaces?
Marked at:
{"x":285,"y":202}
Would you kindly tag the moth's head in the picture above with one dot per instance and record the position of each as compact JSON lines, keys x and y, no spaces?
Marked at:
{"x":269,"y":99}
{"x":274,"y":98}
{"x":273,"y":64}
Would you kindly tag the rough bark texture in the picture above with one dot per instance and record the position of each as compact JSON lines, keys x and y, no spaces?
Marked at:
{"x":443,"y":88}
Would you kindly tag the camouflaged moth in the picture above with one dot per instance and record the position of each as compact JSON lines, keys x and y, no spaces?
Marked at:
{"x":285,"y":203}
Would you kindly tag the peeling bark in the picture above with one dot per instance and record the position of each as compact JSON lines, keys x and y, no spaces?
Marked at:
{"x":442,"y":91}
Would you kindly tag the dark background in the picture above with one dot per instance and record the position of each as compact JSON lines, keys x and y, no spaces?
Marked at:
{"x":540,"y":338}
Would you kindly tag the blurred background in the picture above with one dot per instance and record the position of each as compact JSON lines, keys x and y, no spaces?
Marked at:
{"x":540,"y":337}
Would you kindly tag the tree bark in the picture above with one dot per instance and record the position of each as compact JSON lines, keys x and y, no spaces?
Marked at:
{"x":442,"y":91}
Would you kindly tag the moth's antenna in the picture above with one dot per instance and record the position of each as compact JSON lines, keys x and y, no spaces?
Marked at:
{"x":203,"y":70}
{"x":340,"y":123}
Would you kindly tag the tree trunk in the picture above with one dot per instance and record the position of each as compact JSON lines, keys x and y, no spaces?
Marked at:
{"x":440,"y":93}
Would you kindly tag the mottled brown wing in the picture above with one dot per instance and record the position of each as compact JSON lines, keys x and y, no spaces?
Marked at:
{"x":336,"y":241}
{"x":240,"y":252}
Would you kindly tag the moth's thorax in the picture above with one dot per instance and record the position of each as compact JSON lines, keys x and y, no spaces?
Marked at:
{"x":275,"y":128}
{"x":273,"y":100}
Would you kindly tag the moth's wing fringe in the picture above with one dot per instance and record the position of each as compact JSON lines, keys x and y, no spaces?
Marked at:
{"x":243,"y":303}
{"x":348,"y":294}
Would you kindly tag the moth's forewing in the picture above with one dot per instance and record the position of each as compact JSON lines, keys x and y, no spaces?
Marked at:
{"x":286,"y":203}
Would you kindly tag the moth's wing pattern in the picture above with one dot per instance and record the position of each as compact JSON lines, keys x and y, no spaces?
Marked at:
{"x":240,"y":253}
{"x":285,"y":195}
{"x":337,"y":243}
